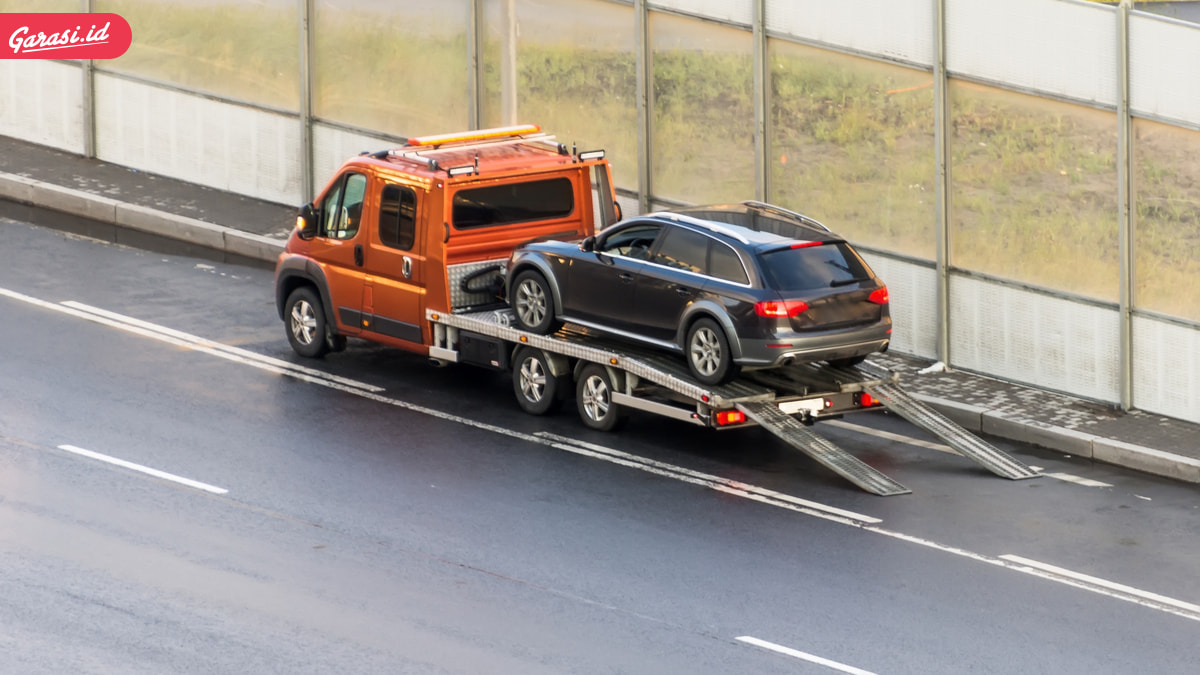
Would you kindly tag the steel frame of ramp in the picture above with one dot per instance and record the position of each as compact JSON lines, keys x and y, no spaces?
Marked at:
{"x":966,"y":443}
{"x":794,"y":433}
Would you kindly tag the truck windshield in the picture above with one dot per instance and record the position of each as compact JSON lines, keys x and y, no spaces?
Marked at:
{"x":513,"y":203}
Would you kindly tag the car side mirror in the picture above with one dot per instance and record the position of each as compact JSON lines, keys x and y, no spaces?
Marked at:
{"x":306,"y":222}
{"x":588,"y":244}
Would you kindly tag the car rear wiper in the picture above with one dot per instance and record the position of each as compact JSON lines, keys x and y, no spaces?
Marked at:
{"x":847,"y":282}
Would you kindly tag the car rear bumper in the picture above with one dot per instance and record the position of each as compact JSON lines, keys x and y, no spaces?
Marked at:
{"x":822,"y":347}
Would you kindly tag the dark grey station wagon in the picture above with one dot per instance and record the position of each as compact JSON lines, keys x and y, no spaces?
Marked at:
{"x":733,"y":286}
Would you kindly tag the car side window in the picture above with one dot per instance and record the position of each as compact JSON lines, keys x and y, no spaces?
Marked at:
{"x":397,"y":217}
{"x":684,"y":249}
{"x":724,"y":263}
{"x":342,"y":209}
{"x":632,"y":242}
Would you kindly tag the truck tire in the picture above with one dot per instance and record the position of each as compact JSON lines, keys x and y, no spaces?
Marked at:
{"x":707,"y":352}
{"x":593,"y":397}
{"x":538,"y":391}
{"x":306,"y":323}
{"x":533,"y":303}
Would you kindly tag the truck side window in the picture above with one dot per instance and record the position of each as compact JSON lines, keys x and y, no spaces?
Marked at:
{"x":513,"y":203}
{"x":343,"y":207}
{"x":398,"y":217}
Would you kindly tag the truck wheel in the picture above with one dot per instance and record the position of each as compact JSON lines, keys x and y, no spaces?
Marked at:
{"x":538,"y":390}
{"x":708,"y":355}
{"x":306,"y":323}
{"x":533,"y":303}
{"x":593,"y":396}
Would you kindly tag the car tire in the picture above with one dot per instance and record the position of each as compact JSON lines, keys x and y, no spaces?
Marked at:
{"x":707,"y":352}
{"x":847,"y":363}
{"x":532,"y":303}
{"x":594,"y":399}
{"x":538,"y":391}
{"x":306,"y":326}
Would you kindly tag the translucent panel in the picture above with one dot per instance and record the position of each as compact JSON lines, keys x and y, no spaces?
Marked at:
{"x":41,"y":101}
{"x":1166,"y":368}
{"x":1162,"y":67}
{"x":575,"y":74}
{"x":1035,"y":190}
{"x":1167,"y":188}
{"x":894,"y":29}
{"x":912,"y":291}
{"x":399,"y":67}
{"x":851,"y":145}
{"x":1064,"y":48}
{"x":703,"y":123}
{"x":244,"y":50}
{"x":1032,"y":337}
{"x":737,"y":11}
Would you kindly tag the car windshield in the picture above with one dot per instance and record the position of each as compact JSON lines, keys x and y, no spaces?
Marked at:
{"x":813,"y":267}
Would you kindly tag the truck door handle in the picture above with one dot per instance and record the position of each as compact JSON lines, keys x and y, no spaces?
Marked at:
{"x":625,"y":276}
{"x":358,"y":255}
{"x":406,"y":267}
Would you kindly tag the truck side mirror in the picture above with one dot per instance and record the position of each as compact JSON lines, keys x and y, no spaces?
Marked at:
{"x":588,"y":244}
{"x":306,"y":222}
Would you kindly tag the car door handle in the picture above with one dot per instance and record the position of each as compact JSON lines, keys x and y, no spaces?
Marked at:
{"x":683,"y":290}
{"x":625,"y":276}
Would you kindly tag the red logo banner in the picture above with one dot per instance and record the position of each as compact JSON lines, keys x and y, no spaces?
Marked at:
{"x":64,"y":36}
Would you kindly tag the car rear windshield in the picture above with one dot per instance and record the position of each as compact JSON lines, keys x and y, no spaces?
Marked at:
{"x":813,"y":267}
{"x":513,"y":203}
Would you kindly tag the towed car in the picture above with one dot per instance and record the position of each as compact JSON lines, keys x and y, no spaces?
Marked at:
{"x":730,"y":286}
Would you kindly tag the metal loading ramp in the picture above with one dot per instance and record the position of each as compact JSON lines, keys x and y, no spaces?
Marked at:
{"x":794,"y":433}
{"x":969,"y":445}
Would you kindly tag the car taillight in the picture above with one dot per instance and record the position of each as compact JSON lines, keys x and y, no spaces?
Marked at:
{"x":879,"y":296}
{"x":867,"y":400}
{"x":778,"y":310}
{"x":727,"y":417}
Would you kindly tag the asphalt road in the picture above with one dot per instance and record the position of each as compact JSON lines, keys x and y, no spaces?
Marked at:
{"x":410,"y":519}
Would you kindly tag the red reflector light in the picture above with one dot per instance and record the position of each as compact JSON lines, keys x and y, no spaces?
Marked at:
{"x":879,"y":296}
{"x":727,"y":417}
{"x":867,"y":400}
{"x":806,"y":244}
{"x":779,"y":310}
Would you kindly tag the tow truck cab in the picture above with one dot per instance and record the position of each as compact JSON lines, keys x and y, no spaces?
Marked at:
{"x":429,"y":225}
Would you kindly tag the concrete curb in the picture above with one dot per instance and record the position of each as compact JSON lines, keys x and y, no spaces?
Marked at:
{"x":229,"y":240}
{"x":1076,"y":443}
{"x":139,"y":218}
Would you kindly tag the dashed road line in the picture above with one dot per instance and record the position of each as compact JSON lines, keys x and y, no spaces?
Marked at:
{"x":796,"y":653}
{"x":144,"y":469}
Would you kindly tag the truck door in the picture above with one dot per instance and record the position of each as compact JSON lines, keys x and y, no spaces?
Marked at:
{"x":395,"y":286}
{"x":338,"y":246}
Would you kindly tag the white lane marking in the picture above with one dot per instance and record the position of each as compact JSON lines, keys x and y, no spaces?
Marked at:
{"x":1088,"y":482}
{"x":1146,"y":498}
{"x":825,"y":515}
{"x":207,"y":344}
{"x":1154,"y":598}
{"x":716,"y":482}
{"x":887,"y":435}
{"x":811,"y":658}
{"x":145,"y":469}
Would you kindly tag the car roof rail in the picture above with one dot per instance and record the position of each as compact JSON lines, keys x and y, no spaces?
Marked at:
{"x":782,"y":211}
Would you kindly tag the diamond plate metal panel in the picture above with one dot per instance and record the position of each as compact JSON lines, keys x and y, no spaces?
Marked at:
{"x":193,"y":138}
{"x":1059,"y":47}
{"x":460,"y":298}
{"x":912,"y":290}
{"x":1166,"y":368}
{"x":1034,"y":338}
{"x":42,"y":102}
{"x":897,"y":29}
{"x":1162,"y":68}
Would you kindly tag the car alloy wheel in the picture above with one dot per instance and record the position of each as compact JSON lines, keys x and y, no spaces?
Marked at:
{"x":708,"y":354}
{"x":533,"y":304}
{"x":594,"y":397}
{"x":306,"y":323}
{"x":537,"y":389}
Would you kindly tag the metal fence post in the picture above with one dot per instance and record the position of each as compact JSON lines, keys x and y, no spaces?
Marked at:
{"x":644,"y":101}
{"x":474,"y":66}
{"x":762,"y":169}
{"x":1125,"y":209}
{"x":89,"y":96}
{"x":306,"y":134}
{"x":942,"y":141}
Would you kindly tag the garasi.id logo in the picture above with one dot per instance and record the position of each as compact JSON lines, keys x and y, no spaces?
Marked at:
{"x":64,"y":36}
